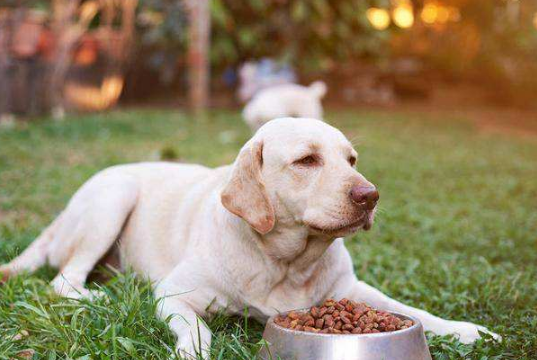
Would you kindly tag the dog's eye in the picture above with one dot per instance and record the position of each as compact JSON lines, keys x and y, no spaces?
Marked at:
{"x":309,"y":160}
{"x":352,"y":160}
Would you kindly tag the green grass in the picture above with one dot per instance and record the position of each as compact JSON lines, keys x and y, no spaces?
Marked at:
{"x":456,"y":232}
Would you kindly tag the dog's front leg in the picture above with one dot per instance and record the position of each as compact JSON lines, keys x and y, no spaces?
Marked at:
{"x":193,"y":336}
{"x":351,"y":288}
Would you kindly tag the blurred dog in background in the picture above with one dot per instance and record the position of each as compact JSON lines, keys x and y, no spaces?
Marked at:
{"x":287,"y":100}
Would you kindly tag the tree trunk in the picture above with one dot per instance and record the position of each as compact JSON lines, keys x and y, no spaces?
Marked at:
{"x":198,"y":53}
{"x":5,"y":107}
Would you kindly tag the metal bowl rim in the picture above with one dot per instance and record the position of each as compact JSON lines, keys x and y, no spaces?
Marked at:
{"x":417,"y":324}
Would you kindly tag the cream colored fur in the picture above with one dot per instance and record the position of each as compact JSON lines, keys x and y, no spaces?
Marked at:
{"x":287,"y":100}
{"x":264,"y":232}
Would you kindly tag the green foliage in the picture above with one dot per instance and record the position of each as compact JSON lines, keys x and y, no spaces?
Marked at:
{"x":162,"y":23}
{"x":161,"y":27}
{"x":311,"y":34}
{"x":455,"y":233}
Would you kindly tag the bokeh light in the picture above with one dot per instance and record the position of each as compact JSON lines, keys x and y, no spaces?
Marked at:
{"x":379,"y":18}
{"x":403,"y":15}
{"x":435,"y":13}
{"x":429,"y":13}
{"x":442,"y":16}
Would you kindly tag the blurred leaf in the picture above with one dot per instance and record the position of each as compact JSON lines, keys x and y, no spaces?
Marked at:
{"x":127,"y":344}
{"x":299,"y":11}
{"x":219,"y":13}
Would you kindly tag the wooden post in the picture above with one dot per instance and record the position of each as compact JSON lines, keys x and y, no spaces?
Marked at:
{"x":5,"y":108}
{"x":198,"y":53}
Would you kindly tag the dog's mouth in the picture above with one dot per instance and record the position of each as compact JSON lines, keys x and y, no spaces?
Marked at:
{"x":365,"y":222}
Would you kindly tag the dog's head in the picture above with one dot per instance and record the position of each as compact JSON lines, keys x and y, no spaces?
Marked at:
{"x":300,"y":172}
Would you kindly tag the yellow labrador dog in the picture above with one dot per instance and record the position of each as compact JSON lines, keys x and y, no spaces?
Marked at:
{"x":286,"y":100}
{"x":264,"y":232}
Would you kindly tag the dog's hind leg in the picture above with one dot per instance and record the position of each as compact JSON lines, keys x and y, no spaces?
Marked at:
{"x":33,"y":257}
{"x":82,"y":234}
{"x":106,"y":205}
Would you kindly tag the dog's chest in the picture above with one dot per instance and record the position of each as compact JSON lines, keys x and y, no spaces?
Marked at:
{"x":281,"y":287}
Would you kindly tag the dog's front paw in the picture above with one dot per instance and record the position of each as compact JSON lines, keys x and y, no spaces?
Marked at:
{"x":467,"y":332}
{"x":188,"y":351}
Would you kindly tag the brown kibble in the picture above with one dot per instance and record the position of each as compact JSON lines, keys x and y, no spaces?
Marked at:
{"x":338,"y":325}
{"x":346,"y":314}
{"x":309,"y":320}
{"x":335,"y":317}
{"x":293,"y":315}
{"x":293,"y":324}
{"x":329,"y":321}
{"x":329,"y":302}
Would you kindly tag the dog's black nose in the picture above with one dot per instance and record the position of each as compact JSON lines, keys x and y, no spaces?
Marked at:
{"x":366,"y":196}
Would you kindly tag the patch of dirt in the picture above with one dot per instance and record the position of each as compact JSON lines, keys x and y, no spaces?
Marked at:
{"x":466,"y":101}
{"x":487,"y":120}
{"x":508,"y":122}
{"x":491,"y":120}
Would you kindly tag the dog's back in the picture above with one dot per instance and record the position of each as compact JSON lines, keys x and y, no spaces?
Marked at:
{"x":126,"y":203}
{"x":289,"y":100}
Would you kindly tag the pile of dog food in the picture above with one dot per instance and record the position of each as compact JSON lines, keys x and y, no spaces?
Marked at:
{"x":342,"y":317}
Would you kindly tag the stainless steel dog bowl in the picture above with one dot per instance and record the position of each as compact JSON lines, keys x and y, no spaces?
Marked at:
{"x":286,"y":344}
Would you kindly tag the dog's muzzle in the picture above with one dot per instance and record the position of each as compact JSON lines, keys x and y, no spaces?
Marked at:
{"x":366,"y":197}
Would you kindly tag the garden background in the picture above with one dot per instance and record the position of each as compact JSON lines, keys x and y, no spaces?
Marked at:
{"x":440,"y":96}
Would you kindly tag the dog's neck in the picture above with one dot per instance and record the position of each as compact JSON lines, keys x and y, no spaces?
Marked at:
{"x":288,"y":242}
{"x":293,"y":244}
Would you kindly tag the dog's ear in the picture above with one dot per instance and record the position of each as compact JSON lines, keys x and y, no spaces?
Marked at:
{"x":245,"y":194}
{"x":318,"y":89}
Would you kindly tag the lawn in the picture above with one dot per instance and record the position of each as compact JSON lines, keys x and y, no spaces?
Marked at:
{"x":456,"y":231}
